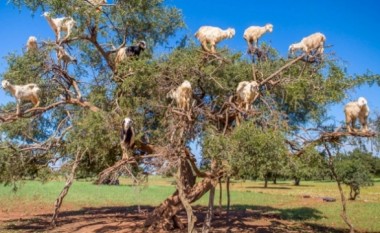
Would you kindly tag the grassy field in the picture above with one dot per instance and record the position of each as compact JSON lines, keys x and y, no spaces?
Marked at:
{"x":281,"y":199}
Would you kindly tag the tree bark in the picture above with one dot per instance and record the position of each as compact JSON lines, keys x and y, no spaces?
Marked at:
{"x":354,"y":192}
{"x":220,"y":195}
{"x":342,"y":197}
{"x":228,"y":197}
{"x":297,"y":181}
{"x":165,"y":214}
{"x":65,"y":190}
{"x":265,"y":181}
{"x":210,"y":212}
{"x":181,"y":187}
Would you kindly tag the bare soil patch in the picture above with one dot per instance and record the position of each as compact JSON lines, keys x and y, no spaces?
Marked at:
{"x":36,"y":218}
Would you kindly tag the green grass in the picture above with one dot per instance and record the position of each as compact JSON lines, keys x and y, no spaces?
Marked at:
{"x":283,"y":199}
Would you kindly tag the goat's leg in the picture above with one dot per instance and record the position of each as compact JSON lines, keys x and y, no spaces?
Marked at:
{"x":204,"y":46}
{"x":35,"y":101}
{"x":18,"y":106}
{"x":353,"y":124}
{"x":68,"y":33}
{"x":58,"y":34}
{"x":212,"y":44}
{"x":364,"y":125}
{"x":348,"y":123}
{"x":250,"y":49}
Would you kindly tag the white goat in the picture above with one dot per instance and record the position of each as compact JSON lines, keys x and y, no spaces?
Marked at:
{"x":357,"y":109}
{"x":182,"y":95}
{"x":64,"y":56}
{"x":31,"y":44}
{"x":23,"y":92}
{"x":253,"y":33}
{"x":212,"y":35}
{"x":63,"y":24}
{"x":314,"y":42}
{"x":247,"y":92}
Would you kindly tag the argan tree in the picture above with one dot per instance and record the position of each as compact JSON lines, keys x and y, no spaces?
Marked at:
{"x":82,"y":107}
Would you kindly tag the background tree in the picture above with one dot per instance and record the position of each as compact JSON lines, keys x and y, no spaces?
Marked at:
{"x":308,"y":166}
{"x":354,"y":171}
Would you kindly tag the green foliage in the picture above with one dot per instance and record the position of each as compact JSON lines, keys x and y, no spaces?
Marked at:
{"x":137,"y":88}
{"x":98,"y":134}
{"x":353,"y":171}
{"x":307,"y":166}
{"x":251,"y":151}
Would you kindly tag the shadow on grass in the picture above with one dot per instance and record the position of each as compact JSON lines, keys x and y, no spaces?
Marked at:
{"x":269,"y":187}
{"x":243,"y":218}
{"x":296,"y":214}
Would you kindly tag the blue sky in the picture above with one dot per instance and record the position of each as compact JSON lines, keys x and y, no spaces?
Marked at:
{"x":351,"y":28}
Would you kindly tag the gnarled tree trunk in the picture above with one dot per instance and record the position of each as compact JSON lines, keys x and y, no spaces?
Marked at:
{"x":165,"y":214}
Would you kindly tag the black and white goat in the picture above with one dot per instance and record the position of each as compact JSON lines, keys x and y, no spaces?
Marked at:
{"x":127,"y":133}
{"x":130,"y":51}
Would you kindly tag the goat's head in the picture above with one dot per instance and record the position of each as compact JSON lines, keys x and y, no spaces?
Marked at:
{"x":32,"y":39}
{"x":362,"y":101}
{"x":254,"y":86}
{"x":127,"y":123}
{"x":46,"y":14}
{"x":291,"y":50}
{"x":269,"y":27}
{"x":142,"y":44}
{"x":186,"y":84}
{"x":230,"y":32}
{"x":296,"y":46}
{"x":171,"y":94}
{"x":5,"y":84}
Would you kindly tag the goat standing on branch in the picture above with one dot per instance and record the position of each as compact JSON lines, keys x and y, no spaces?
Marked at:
{"x":65,"y":24}
{"x":313,"y":43}
{"x":64,"y":56}
{"x":31,"y":44}
{"x":127,"y":136}
{"x":130,"y":51}
{"x":212,"y":35}
{"x":182,"y":95}
{"x":247,"y":92}
{"x":253,"y":34}
{"x":23,"y":92}
{"x":357,"y":109}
